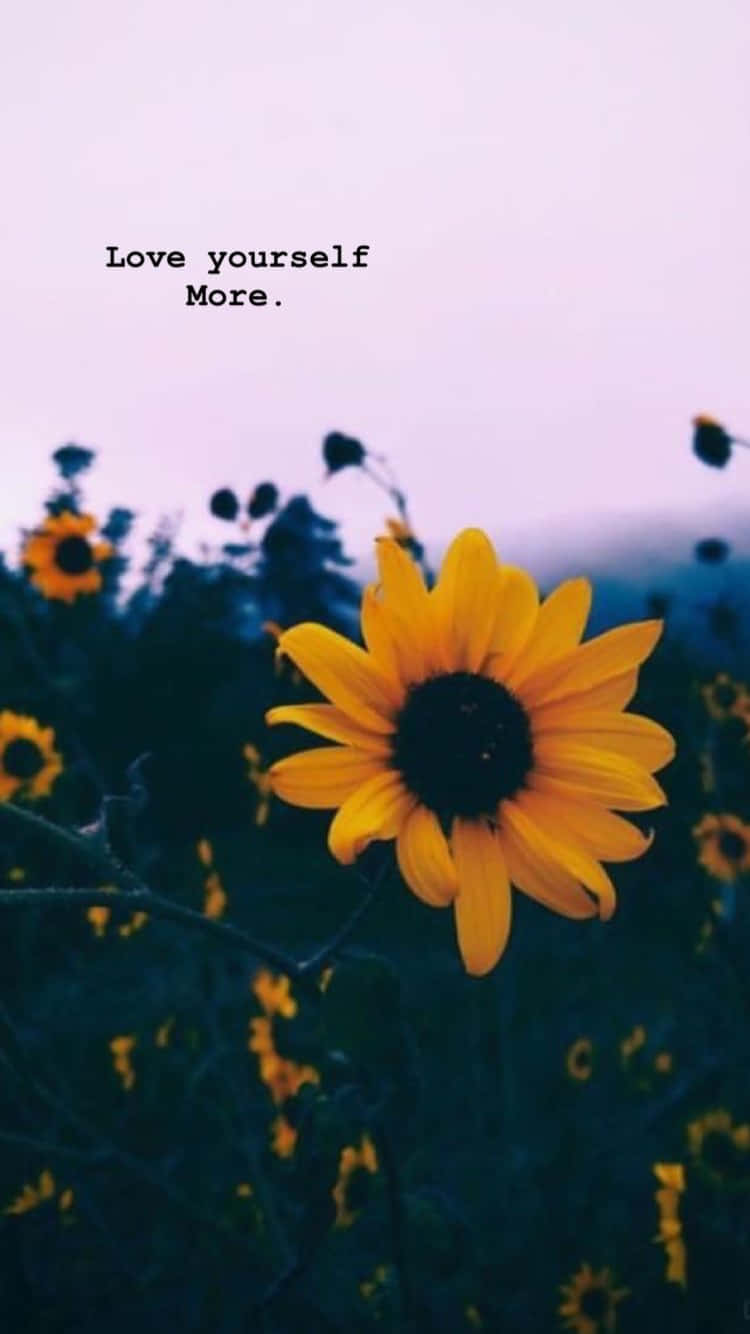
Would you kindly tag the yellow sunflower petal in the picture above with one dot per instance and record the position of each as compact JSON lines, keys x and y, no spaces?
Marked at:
{"x":328,"y":721}
{"x":345,"y":673}
{"x":518,"y":605}
{"x":601,"y":832}
{"x":483,"y":904}
{"x":559,"y":625}
{"x":578,"y":863}
{"x":409,"y":606}
{"x":465,"y":599}
{"x":599,"y":775}
{"x":425,"y":860}
{"x":610,"y":654}
{"x":616,"y":693}
{"x":543,"y":879}
{"x":378,"y":631}
{"x":627,"y":734}
{"x":377,"y":809}
{"x":322,"y":778}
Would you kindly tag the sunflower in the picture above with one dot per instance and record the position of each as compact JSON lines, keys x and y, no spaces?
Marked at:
{"x":726,"y":698}
{"x":720,"y":1149}
{"x":29,"y":763}
{"x":671,"y":1178}
{"x":273,"y":993}
{"x":590,"y":1300}
{"x":356,"y":1166}
{"x":723,"y":845}
{"x":578,"y":1059}
{"x":63,"y":560}
{"x":284,"y":1137}
{"x":480,"y":734}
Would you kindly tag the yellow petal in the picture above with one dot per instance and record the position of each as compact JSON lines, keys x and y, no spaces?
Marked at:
{"x":518,"y":605}
{"x":597,"y":660}
{"x":562,"y":849}
{"x":425,"y":860}
{"x":602,"y":833}
{"x":328,"y":721}
{"x":465,"y":600}
{"x":615,"y":693}
{"x":378,"y":631}
{"x":538,"y":875}
{"x":322,"y":778}
{"x":482,"y":905}
{"x":559,"y":625}
{"x":599,"y":775}
{"x":409,"y":608}
{"x":349,"y":677}
{"x":627,"y":734}
{"x":377,"y":809}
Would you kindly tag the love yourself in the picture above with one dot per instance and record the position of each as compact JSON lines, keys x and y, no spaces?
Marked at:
{"x":238,"y":259}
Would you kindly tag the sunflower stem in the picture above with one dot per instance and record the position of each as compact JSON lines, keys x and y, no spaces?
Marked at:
{"x":374,"y":883}
{"x":145,"y":901}
{"x":80,"y":846}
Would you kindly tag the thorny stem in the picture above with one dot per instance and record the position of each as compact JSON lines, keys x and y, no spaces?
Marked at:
{"x":145,"y":901}
{"x":317,"y":960}
{"x":130,"y":892}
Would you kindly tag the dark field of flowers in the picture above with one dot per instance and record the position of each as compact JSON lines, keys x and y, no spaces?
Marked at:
{"x":246,"y":1084}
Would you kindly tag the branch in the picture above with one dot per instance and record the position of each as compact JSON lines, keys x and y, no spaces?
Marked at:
{"x":131,"y":893}
{"x":156,"y":906}
{"x":74,"y":844}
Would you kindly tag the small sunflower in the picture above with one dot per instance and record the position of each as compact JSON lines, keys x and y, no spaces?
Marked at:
{"x":29,"y":763}
{"x":480,"y":734}
{"x":723,"y":845}
{"x":64,"y":562}
{"x":590,"y":1301}
{"x":721,"y":1149}
{"x":579,"y":1059}
{"x":273,"y":993}
{"x":726,"y":698}
{"x":122,"y":1049}
{"x":356,"y":1166}
{"x":284,"y":1136}
{"x":668,"y":1198}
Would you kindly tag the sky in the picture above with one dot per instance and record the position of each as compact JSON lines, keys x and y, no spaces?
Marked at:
{"x":556,"y":199}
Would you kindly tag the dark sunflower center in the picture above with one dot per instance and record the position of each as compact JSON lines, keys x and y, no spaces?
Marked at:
{"x":719,"y":1152}
{"x":725,"y":694}
{"x":731,"y":845}
{"x":462,"y":744}
{"x":595,"y":1303}
{"x":358,"y":1189}
{"x":22,"y":758}
{"x":74,"y":555}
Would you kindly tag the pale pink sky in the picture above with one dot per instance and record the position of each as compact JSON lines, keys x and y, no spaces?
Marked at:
{"x":557,"y":198}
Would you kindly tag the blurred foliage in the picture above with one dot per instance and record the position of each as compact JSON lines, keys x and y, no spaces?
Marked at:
{"x":173,"y":1130}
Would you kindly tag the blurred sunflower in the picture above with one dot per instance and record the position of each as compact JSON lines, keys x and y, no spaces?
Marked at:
{"x":725,"y":698}
{"x":668,"y":1196}
{"x":356,"y":1167}
{"x":590,"y":1301}
{"x":29,"y":763}
{"x":63,"y":560}
{"x":482,"y":735}
{"x":711,"y":442}
{"x":721,"y":1149}
{"x":578,"y":1059}
{"x":723,"y":845}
